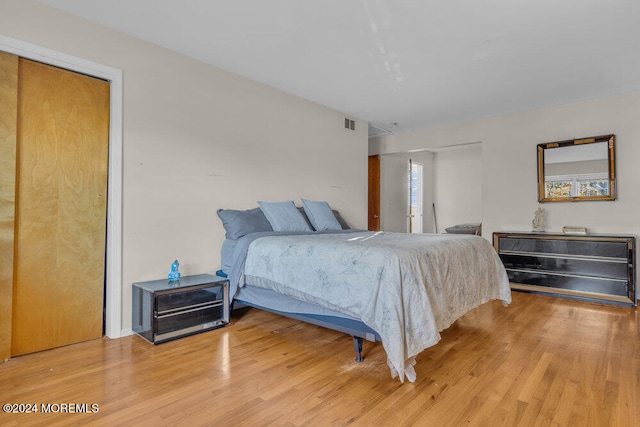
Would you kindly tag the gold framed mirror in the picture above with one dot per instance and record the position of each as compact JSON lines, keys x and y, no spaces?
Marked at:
{"x":577,"y":170}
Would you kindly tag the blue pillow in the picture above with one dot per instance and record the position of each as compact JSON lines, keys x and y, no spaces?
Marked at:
{"x":284,"y":216}
{"x":238,"y":223}
{"x":226,"y":254}
{"x":320,"y":215}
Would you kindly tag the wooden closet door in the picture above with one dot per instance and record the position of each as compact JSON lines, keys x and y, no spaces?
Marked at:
{"x":62,"y":156}
{"x":8,"y":130}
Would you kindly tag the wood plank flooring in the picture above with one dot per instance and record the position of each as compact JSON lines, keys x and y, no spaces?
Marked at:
{"x":541,"y":361}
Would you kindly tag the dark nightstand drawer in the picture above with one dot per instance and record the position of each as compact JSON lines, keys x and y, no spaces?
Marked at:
{"x":167,"y":303}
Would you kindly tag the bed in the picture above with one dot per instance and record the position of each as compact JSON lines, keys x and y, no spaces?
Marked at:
{"x":398,"y":288}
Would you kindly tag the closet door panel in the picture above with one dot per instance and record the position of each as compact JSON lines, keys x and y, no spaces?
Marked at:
{"x":63,"y":120}
{"x":8,"y":129}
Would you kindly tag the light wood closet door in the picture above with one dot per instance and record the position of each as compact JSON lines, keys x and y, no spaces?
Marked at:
{"x":8,"y":130}
{"x":62,"y":155}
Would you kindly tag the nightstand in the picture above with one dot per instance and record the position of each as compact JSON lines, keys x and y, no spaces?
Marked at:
{"x":164,"y":310}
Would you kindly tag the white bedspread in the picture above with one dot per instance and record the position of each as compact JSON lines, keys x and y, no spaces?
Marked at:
{"x":407,"y":287}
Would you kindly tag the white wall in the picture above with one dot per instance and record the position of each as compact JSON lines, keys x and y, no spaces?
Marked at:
{"x":458,"y":186}
{"x":509,"y":176}
{"x":196,"y":139}
{"x":394,"y":191}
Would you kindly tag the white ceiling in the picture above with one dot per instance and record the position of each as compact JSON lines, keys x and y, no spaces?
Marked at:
{"x":417,"y":63}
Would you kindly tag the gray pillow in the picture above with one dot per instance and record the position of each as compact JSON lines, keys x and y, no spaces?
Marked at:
{"x":239,"y":223}
{"x":341,"y":220}
{"x":284,"y":216}
{"x":321,"y":216}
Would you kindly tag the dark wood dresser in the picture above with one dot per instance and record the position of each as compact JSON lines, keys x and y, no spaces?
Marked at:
{"x":594,"y":267}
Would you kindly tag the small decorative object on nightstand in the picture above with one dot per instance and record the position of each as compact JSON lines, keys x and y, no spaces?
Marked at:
{"x":165,"y":310}
{"x":174,"y":274}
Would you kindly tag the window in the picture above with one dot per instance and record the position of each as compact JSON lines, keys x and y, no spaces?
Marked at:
{"x":415,"y":197}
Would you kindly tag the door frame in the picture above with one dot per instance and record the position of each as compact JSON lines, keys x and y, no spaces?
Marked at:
{"x":113,"y":255}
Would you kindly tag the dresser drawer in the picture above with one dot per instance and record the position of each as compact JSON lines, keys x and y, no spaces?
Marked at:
{"x":614,"y":268}
{"x":587,"y":248}
{"x":575,"y":283}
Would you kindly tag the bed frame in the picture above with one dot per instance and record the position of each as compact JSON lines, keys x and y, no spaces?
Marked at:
{"x":358,"y":330}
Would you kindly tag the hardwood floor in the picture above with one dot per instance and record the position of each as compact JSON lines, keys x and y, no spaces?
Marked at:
{"x":541,"y":361}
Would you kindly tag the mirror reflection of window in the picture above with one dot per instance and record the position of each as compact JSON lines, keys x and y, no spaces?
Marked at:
{"x":593,"y":187}
{"x":557,"y":187}
{"x":576,"y":185}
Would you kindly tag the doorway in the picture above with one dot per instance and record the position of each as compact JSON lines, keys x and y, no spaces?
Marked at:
{"x":395,"y":194}
{"x":451,"y":188}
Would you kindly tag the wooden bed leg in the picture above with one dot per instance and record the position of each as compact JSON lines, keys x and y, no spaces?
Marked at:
{"x":357,"y":344}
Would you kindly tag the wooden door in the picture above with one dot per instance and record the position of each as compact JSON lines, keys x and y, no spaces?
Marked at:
{"x":62,"y":157}
{"x":374,"y":193}
{"x":8,"y":130}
